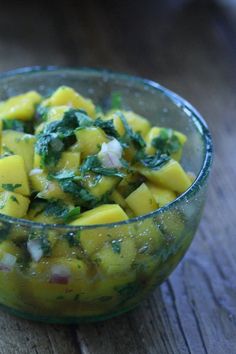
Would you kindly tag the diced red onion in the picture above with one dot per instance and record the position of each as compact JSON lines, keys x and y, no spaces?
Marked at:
{"x":35,"y":249}
{"x":60,"y":274}
{"x":110,"y":154}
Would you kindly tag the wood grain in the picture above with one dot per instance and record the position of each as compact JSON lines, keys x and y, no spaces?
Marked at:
{"x":191,"y":49}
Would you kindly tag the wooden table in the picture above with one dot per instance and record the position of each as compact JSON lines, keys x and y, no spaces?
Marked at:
{"x":191,"y":50}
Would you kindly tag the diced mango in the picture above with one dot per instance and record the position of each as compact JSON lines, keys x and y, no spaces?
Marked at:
{"x":46,"y":292}
{"x":39,"y":128}
{"x":13,"y":204}
{"x":129,"y":183}
{"x":135,"y":121}
{"x":104,"y":214}
{"x":13,"y":175}
{"x":69,"y":161}
{"x":141,"y":201}
{"x":48,"y":189}
{"x":154,"y":132}
{"x":66,"y":96}
{"x":115,"y":116}
{"x":99,"y":187}
{"x":171,"y":176}
{"x":148,"y":237}
{"x":9,"y":247}
{"x":89,"y":141}
{"x":19,"y":144}
{"x":56,"y":113}
{"x":45,"y":219}
{"x":20,"y":107}
{"x":117,"y":257}
{"x":161,"y":195}
{"x":118,"y":199}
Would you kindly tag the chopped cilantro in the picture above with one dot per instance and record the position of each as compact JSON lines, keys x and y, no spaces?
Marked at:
{"x":64,"y":174}
{"x":116,"y":246}
{"x":41,"y":113}
{"x":107,"y":126}
{"x":59,"y":135}
{"x":10,"y":187}
{"x":13,"y":124}
{"x":72,"y":214}
{"x":154,"y":162}
{"x":57,"y":209}
{"x":167,"y":142}
{"x":131,"y":136}
{"x":116,"y":100}
{"x":93,"y":164}
{"x":14,"y":199}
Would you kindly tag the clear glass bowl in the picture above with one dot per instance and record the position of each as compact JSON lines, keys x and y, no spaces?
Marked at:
{"x":153,"y":244}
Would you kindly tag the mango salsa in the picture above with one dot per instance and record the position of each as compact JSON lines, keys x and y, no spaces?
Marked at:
{"x":66,"y":161}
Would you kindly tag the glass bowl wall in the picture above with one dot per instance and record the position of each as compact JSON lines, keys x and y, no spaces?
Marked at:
{"x":99,"y":282}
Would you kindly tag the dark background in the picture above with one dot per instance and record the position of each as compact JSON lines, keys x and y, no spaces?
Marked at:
{"x":190,"y":47}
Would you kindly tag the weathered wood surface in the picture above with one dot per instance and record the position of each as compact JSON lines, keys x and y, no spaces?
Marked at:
{"x":191,"y":50}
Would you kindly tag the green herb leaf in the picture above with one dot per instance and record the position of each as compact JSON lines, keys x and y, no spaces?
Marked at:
{"x":14,"y":199}
{"x":107,"y":126}
{"x":64,"y":174}
{"x":72,"y":214}
{"x":18,"y":125}
{"x":116,"y":100}
{"x":10,"y":187}
{"x":154,"y":162}
{"x":56,"y":208}
{"x":93,"y":164}
{"x":167,"y":142}
{"x":130,"y":135}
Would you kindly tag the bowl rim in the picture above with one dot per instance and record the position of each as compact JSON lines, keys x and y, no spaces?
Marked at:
{"x":187,"y":107}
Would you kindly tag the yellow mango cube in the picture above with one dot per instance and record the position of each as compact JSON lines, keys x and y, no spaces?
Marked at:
{"x":116,"y":257}
{"x":89,"y":141}
{"x":13,"y":175}
{"x":161,"y":195}
{"x":13,"y":204}
{"x":135,"y":121}
{"x":68,"y":161}
{"x":19,"y":144}
{"x":49,"y":189}
{"x":56,"y":113}
{"x":104,"y":214}
{"x":171,"y":176}
{"x":66,"y":96}
{"x":141,"y":201}
{"x":115,"y":116}
{"x":98,"y":188}
{"x":154,"y":133}
{"x":20,"y":107}
{"x":118,"y":199}
{"x":148,"y":237}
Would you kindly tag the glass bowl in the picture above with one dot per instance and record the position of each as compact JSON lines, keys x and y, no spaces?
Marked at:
{"x":96,"y":279}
